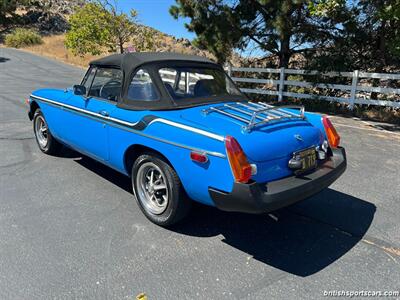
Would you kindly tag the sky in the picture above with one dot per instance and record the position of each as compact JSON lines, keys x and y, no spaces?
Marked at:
{"x":155,"y":13}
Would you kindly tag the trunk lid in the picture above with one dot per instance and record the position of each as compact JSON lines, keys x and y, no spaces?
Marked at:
{"x":269,"y":141}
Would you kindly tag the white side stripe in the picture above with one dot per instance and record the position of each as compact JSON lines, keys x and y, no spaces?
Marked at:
{"x":196,"y":130}
{"x":158,"y":120}
{"x":88,"y":112}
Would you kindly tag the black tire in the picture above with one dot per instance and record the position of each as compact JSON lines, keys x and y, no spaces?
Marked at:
{"x":51,"y":146}
{"x":178,"y":204}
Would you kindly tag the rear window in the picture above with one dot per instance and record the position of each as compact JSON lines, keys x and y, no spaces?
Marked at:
{"x":190,"y":83}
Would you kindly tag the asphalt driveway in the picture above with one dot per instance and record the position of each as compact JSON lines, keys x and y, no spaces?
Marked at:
{"x":70,"y":228}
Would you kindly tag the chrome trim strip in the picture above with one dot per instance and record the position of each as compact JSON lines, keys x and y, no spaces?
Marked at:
{"x":70,"y":107}
{"x":212,"y":153}
{"x":126,"y":126}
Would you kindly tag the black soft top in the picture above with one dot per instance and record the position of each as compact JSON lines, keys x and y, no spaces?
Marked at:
{"x":129,"y":63}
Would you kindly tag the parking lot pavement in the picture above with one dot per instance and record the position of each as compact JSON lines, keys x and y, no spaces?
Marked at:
{"x":70,"y":228}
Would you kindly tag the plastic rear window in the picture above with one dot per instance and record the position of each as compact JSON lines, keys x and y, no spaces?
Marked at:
{"x":192,"y":83}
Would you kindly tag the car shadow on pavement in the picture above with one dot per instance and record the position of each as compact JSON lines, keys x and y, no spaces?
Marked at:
{"x":100,"y":169}
{"x":306,"y":238}
{"x":388,"y":127}
{"x":3,"y":59}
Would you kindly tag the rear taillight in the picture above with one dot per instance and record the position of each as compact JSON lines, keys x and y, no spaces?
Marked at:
{"x":241,"y":168}
{"x":331,"y":133}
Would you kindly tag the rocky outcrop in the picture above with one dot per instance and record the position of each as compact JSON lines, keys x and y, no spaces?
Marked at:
{"x":50,"y":16}
{"x":63,"y":7}
{"x":47,"y":22}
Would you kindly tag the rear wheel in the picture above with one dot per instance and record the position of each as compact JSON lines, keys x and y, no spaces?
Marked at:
{"x":44,"y":139}
{"x":158,"y":190}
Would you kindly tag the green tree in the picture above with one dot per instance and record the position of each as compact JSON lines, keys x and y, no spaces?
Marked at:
{"x":382,"y":28}
{"x":369,"y":39}
{"x":145,"y":39}
{"x":281,"y":28}
{"x":100,"y":25}
{"x":391,"y":14}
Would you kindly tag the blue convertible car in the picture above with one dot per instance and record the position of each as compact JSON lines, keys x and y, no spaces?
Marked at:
{"x":179,"y":127}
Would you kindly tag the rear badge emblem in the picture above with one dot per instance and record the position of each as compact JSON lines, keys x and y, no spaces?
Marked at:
{"x":298,"y":137}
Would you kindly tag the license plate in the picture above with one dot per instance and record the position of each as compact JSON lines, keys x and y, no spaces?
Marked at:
{"x":308,"y":159}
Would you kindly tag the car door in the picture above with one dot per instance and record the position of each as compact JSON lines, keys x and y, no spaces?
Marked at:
{"x":89,"y":126}
{"x":140,"y":89}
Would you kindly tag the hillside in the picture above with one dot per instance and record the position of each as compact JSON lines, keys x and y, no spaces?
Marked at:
{"x":50,"y":19}
{"x":53,"y":46}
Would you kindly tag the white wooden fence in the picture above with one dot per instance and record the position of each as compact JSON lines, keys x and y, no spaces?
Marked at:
{"x":358,"y":92}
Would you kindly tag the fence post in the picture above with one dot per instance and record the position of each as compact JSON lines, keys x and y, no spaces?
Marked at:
{"x":353,"y":92}
{"x":281,"y":84}
{"x":229,"y":70}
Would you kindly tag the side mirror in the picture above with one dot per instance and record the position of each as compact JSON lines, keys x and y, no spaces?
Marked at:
{"x":79,"y":90}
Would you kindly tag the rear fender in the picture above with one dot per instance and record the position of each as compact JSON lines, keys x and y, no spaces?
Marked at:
{"x":316,"y":120}
{"x":196,"y":178}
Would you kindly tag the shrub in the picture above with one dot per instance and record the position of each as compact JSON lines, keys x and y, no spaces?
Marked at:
{"x":22,"y":37}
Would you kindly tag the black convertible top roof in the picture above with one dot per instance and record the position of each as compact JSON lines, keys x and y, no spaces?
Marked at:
{"x":132,"y":60}
{"x":129,"y":63}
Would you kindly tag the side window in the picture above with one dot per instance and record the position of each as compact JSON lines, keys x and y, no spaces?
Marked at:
{"x":87,"y":80}
{"x":107,"y":84}
{"x":142,"y":87}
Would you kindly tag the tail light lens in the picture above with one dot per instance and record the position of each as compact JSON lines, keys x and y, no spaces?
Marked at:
{"x":241,"y":168}
{"x":331,"y":133}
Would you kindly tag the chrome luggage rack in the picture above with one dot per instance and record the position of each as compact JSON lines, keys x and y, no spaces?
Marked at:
{"x":253,"y":114}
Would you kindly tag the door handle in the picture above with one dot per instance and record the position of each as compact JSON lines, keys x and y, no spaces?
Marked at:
{"x":104,"y":113}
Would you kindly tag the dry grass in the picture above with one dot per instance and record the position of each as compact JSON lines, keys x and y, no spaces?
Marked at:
{"x":53,"y":47}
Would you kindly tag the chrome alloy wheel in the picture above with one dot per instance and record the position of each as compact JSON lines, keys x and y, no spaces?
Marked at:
{"x":152,"y":188}
{"x":41,"y":131}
